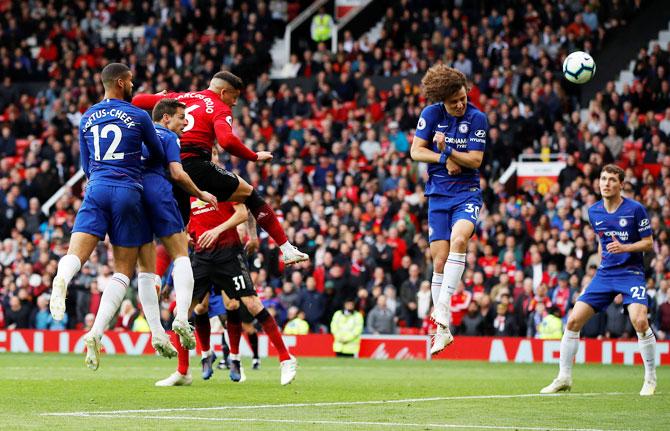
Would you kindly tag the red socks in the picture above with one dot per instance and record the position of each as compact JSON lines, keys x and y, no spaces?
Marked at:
{"x":272,"y":330}
{"x":182,"y":354}
{"x":203,"y":331}
{"x":234,"y":331}
{"x":266,"y":219}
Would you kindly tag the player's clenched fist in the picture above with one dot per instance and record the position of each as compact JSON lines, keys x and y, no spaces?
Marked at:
{"x":439,"y":140}
{"x":263,"y":156}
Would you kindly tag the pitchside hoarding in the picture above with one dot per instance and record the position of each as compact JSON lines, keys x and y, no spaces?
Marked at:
{"x":519,"y":350}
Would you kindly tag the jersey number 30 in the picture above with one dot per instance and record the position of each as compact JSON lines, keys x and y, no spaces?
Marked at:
{"x":104,"y":133}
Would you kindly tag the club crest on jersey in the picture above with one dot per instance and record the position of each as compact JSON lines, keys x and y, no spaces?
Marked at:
{"x":197,"y":204}
{"x":463,"y":128}
{"x":421,"y":125}
{"x":623,"y":222}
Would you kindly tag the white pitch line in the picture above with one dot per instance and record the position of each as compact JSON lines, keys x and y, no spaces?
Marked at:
{"x":349,"y":423}
{"x":331,"y":404}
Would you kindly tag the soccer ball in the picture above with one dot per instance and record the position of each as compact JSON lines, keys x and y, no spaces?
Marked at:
{"x":579,"y":67}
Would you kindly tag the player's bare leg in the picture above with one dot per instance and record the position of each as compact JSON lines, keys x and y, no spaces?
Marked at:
{"x":439,"y":250}
{"x":287,"y":362}
{"x":80,"y":249}
{"x":581,"y":313}
{"x":125,"y":259}
{"x":647,"y":343}
{"x":177,"y":247}
{"x":148,"y":286}
{"x":266,"y":219}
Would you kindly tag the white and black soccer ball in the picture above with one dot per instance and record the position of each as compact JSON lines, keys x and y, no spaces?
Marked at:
{"x":579,"y":67}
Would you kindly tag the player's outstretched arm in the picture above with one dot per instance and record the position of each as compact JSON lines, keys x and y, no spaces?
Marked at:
{"x":209,"y":237}
{"x":147,"y":101}
{"x":184,"y":181}
{"x":420,"y":152}
{"x":231,"y":143}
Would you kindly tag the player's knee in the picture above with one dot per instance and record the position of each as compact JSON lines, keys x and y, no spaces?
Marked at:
{"x":232,"y":304}
{"x":459,"y":243}
{"x":573,"y":324}
{"x":254,"y":200}
{"x":253,"y":304}
{"x":640,"y":323}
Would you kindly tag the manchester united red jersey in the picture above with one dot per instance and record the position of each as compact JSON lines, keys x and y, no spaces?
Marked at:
{"x":205,"y":113}
{"x":205,"y":216}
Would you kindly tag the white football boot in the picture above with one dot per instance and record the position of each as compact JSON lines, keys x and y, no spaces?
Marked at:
{"x":185,"y":332}
{"x":175,"y":379}
{"x":292,"y":255}
{"x":93,"y":346}
{"x":288,"y":370}
{"x":649,"y":388}
{"x":161,"y":344}
{"x":558,"y":385}
{"x":440,"y":315}
{"x":441,"y":339}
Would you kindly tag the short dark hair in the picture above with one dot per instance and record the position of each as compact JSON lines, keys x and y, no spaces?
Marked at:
{"x":112,"y":72}
{"x":230,"y":78}
{"x":166,"y":106}
{"x":614,"y":169}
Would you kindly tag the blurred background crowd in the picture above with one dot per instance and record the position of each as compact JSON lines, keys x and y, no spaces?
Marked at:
{"x":341,"y":178}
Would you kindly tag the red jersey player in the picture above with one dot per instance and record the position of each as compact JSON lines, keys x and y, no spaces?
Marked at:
{"x":210,"y":118}
{"x":219,"y":261}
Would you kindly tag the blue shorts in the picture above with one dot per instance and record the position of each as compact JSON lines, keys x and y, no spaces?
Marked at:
{"x":444,"y":212}
{"x":216,"y":307}
{"x":116,"y":211}
{"x":604,"y":287}
{"x":161,"y":206}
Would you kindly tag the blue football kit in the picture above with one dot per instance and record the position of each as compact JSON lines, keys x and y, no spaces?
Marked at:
{"x":111,"y":134}
{"x":160,"y":204}
{"x":621,"y":272}
{"x":452,"y":197}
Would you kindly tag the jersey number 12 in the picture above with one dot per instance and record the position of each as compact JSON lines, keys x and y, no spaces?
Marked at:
{"x":104,"y":133}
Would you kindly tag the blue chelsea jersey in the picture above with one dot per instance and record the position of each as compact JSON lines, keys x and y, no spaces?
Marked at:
{"x":629,"y":223}
{"x":111,"y":134}
{"x":466,"y":133}
{"x":170,"y":143}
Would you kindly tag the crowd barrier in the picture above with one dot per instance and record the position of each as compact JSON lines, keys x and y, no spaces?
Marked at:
{"x":492,"y":349}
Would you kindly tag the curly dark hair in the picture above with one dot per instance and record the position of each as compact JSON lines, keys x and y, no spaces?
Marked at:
{"x":441,"y":82}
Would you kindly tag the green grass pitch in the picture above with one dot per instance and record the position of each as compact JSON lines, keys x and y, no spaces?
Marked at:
{"x":328,"y":394}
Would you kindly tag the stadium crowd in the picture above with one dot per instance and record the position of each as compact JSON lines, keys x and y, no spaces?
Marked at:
{"x":341,"y":177}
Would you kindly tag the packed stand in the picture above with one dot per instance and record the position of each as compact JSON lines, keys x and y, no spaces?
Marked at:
{"x":347,"y":190}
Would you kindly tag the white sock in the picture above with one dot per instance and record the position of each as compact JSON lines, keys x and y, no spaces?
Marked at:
{"x":569,"y":347}
{"x":68,"y":266}
{"x":234,"y":357}
{"x":647,"y":343}
{"x":205,"y":354}
{"x":110,"y":302}
{"x":435,"y":286}
{"x":182,"y":274}
{"x":453,"y":271}
{"x":146,"y":290}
